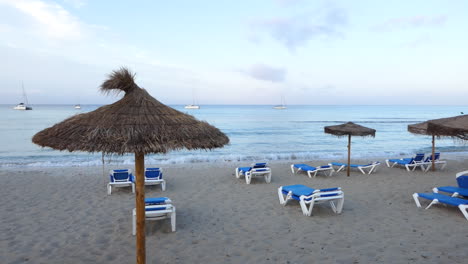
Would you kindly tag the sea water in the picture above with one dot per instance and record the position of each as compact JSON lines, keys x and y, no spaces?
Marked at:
{"x":256,"y":133}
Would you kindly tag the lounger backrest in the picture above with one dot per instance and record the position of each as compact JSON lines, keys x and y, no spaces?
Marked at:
{"x":153,"y":173}
{"x":259,"y":165}
{"x":419,"y":157}
{"x":120,"y":175}
{"x":462,"y":181}
{"x":436,"y":157}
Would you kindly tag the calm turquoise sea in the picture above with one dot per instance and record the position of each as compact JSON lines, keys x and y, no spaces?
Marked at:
{"x":257,"y":133}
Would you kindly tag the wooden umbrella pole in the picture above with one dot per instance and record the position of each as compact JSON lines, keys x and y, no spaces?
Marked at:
{"x":140,"y":208}
{"x":433,"y":153}
{"x":349,"y":154}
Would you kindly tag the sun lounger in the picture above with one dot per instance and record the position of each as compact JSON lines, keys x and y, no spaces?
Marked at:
{"x":157,"y":209}
{"x":461,"y":190}
{"x":409,"y":163}
{"x":308,"y":197}
{"x":365,"y":169}
{"x":428,"y":162}
{"x":153,"y":176}
{"x":437,"y":198}
{"x":256,"y":169}
{"x":120,"y":178}
{"x":312,"y":171}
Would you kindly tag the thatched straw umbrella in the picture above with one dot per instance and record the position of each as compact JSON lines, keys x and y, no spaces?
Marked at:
{"x":456,"y":127}
{"x":138,"y":124}
{"x":350,"y":129}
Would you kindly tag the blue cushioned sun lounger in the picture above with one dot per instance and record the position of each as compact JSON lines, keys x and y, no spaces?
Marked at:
{"x":154,"y":176}
{"x":307,"y":197}
{"x":312,"y":171}
{"x":371,"y":167}
{"x":461,"y":190}
{"x":120,"y":178}
{"x":428,"y":162}
{"x":408,"y":162}
{"x":157,"y":209}
{"x":437,"y":198}
{"x":256,"y":169}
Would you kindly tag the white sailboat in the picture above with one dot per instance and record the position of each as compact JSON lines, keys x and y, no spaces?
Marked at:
{"x":282,"y":105}
{"x":193,"y":105}
{"x":77,"y":106}
{"x":23,"y":106}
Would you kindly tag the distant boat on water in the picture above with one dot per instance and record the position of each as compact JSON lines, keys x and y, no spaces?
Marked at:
{"x":193,"y":105}
{"x":23,"y":106}
{"x":282,"y":105}
{"x":77,"y":106}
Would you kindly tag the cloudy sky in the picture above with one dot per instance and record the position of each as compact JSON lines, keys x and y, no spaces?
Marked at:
{"x":237,"y":52}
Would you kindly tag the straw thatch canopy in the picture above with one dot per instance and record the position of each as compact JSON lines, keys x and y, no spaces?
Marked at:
{"x":456,"y":127}
{"x":350,"y":128}
{"x":137,"y":123}
{"x":419,"y":128}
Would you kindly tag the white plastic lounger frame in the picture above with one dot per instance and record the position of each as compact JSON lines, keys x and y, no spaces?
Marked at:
{"x":327,"y":170}
{"x":265,"y":172}
{"x":169,"y":211}
{"x":428,"y":164}
{"x":155,"y":180}
{"x":417,"y":161}
{"x":119,"y":183}
{"x":307,"y":202}
{"x":364,"y":169}
{"x":463,"y":207}
{"x":455,"y":193}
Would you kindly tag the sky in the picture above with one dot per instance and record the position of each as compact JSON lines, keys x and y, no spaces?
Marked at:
{"x":310,"y":52}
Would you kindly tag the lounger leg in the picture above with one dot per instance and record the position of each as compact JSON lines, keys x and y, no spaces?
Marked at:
{"x":248,"y":177}
{"x":339,"y":207}
{"x":362,"y":170}
{"x":435,"y":201}
{"x":464,"y":210}
{"x":109,"y":189}
{"x":416,"y":200}
{"x":133,"y":188}
{"x":163,"y":185}
{"x":283,"y":200}
{"x":292,"y":169}
{"x":268,"y":177}
{"x":331,"y":172}
{"x":310,"y":173}
{"x":307,"y":211}
{"x":443,"y":165}
{"x":388,"y":164}
{"x":435,"y":190}
{"x":340,"y":168}
{"x":237,"y":173}
{"x":173,"y":219}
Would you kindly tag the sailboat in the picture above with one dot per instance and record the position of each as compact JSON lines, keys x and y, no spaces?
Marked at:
{"x":23,"y":106}
{"x":77,"y":106}
{"x":193,"y":105}
{"x":282,"y":105}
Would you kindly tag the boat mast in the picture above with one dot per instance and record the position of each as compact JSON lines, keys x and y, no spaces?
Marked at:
{"x":24,"y":94}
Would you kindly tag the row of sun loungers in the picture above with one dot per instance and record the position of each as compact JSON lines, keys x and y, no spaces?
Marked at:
{"x":417,"y":161}
{"x":124,"y":178}
{"x":162,"y":208}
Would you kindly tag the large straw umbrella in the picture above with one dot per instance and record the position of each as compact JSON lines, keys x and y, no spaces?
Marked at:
{"x":350,"y":129}
{"x":137,"y":124}
{"x":456,"y":127}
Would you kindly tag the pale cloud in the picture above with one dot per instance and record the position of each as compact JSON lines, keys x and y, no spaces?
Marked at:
{"x":297,"y":30}
{"x":50,"y":19}
{"x":76,"y":3}
{"x":420,"y":21}
{"x":266,"y":73}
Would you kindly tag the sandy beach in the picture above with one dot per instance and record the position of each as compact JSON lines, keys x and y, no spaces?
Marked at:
{"x":64,"y":215}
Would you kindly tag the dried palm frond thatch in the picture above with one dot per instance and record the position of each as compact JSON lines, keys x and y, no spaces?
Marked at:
{"x":456,"y":127}
{"x":137,"y":123}
{"x":350,"y":129}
